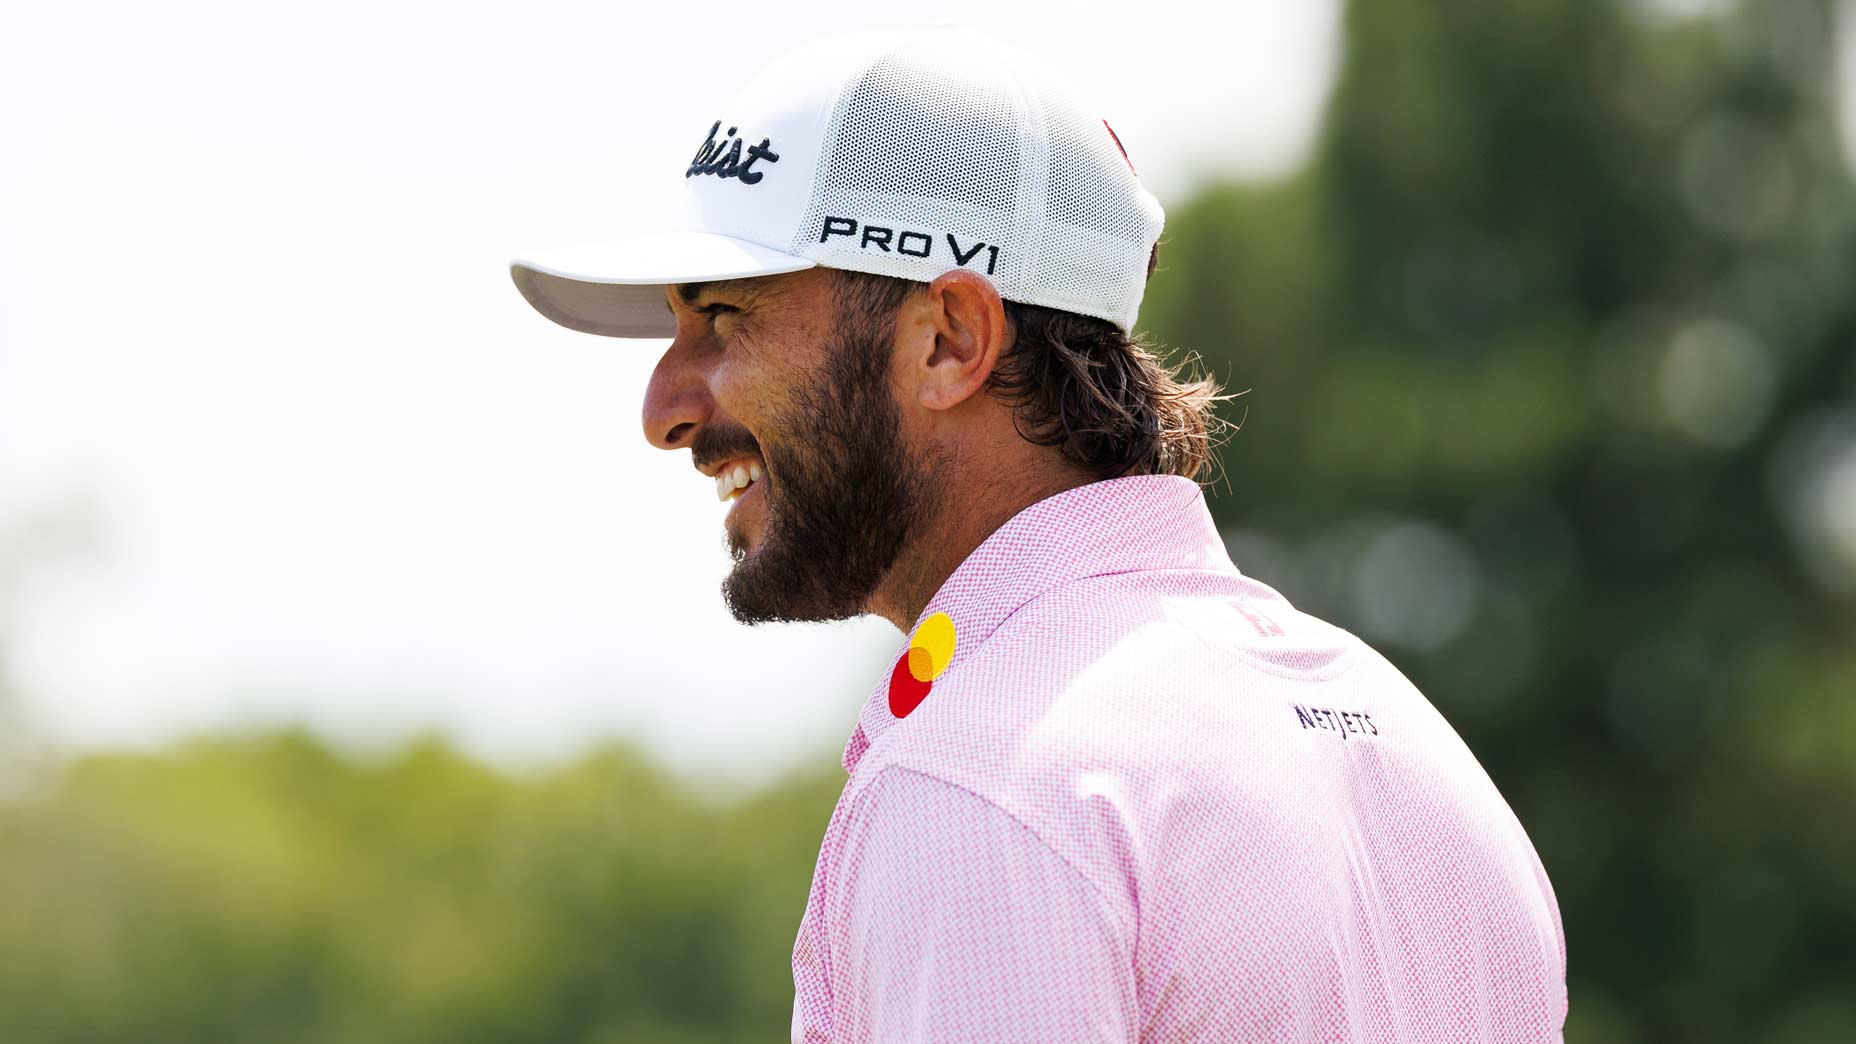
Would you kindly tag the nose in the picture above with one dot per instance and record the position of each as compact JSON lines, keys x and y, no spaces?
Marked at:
{"x":677,"y":402}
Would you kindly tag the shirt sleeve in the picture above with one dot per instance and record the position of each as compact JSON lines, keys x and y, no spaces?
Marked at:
{"x":951,"y":922}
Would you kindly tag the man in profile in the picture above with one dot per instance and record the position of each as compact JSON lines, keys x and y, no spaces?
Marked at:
{"x":1111,"y":789}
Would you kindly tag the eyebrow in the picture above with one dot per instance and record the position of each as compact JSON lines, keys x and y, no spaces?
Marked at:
{"x":689,"y":292}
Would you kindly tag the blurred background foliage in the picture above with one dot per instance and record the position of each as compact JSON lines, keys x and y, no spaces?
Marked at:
{"x":267,"y":889}
{"x":1551,"y":396}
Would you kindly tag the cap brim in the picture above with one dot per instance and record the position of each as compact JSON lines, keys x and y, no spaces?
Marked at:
{"x":616,"y":289}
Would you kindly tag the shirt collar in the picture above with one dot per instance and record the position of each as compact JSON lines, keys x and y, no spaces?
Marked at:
{"x":1121,"y":525}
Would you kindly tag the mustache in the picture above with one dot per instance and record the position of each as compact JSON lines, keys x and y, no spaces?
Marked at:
{"x":716,"y":443}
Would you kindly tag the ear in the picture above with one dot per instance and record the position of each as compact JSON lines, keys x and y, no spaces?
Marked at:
{"x":954,"y":338}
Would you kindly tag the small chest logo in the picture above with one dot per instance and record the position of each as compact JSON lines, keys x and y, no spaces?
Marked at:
{"x":1340,"y":721}
{"x":724,"y":159}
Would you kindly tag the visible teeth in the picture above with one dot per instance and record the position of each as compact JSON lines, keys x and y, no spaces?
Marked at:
{"x":728,"y":481}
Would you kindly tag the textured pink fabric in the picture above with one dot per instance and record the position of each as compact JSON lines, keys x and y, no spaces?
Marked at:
{"x":1148,"y":800}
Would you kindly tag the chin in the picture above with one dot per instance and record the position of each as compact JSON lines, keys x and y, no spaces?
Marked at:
{"x":761,"y":590}
{"x":743,"y":542}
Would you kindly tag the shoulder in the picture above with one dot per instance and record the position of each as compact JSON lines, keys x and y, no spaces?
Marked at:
{"x":910,"y":832}
{"x":939,"y":915}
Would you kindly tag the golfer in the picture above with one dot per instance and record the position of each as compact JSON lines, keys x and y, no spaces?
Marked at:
{"x":1111,"y":789}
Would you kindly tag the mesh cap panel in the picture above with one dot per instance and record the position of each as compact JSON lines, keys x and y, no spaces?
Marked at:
{"x":949,"y":149}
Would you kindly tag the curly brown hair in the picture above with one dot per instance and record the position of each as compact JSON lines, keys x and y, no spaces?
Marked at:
{"x":1108,"y":401}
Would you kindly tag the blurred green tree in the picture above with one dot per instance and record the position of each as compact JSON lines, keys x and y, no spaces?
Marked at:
{"x":1551,"y":396}
{"x":265,"y":889}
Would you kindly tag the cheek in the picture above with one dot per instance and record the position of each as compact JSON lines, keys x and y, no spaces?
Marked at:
{"x":753,"y":394}
{"x":739,"y":375}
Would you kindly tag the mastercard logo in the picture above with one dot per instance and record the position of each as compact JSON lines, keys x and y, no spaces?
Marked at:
{"x":928,"y":655}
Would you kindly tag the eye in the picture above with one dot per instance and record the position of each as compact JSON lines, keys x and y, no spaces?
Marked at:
{"x":713,"y":310}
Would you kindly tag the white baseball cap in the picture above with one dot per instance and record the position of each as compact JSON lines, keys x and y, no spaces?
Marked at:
{"x":898,"y":152}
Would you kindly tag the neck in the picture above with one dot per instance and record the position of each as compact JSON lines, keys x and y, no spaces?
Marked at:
{"x":951,"y":532}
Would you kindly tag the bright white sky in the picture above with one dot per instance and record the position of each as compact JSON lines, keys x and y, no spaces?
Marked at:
{"x":254,"y":310}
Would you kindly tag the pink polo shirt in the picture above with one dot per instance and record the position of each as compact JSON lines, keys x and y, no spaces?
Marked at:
{"x":1141,"y":797}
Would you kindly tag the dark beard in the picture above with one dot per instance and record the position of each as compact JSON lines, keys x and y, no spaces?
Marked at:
{"x":845,"y":495}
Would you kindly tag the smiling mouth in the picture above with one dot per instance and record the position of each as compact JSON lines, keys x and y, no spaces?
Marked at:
{"x":732,"y":482}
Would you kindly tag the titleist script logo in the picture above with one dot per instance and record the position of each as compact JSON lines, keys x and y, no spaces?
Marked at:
{"x":1342,"y":722}
{"x":908,"y":242}
{"x":724,"y":159}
